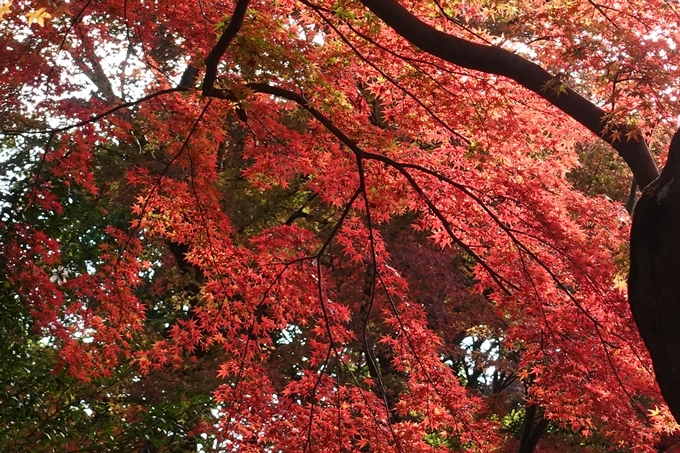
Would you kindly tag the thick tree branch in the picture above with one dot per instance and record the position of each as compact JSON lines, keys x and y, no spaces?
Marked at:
{"x":220,"y":48}
{"x":495,"y":60}
{"x":89,"y":64}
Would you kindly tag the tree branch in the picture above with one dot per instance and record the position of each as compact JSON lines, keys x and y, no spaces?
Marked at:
{"x":503,"y":284}
{"x":495,"y":60}
{"x":220,"y":48}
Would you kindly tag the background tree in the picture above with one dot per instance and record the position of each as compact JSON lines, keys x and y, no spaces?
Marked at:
{"x":354,"y":226}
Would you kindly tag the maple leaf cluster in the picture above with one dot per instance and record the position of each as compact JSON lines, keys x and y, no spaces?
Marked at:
{"x":282,"y":226}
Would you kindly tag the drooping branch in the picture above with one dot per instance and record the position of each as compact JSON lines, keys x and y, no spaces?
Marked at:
{"x":394,"y":82}
{"x":93,"y":119}
{"x":495,"y":60}
{"x":360,"y":153}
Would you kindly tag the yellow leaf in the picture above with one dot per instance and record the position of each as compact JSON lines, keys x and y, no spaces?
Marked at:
{"x":38,"y":17}
{"x":633,"y":134}
{"x":561,"y":88}
{"x":4,"y":8}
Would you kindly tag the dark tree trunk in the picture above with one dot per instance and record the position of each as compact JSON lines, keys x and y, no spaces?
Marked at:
{"x":532,"y":429}
{"x":654,"y":280}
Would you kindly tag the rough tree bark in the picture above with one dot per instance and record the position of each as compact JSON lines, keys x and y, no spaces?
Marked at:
{"x":654,"y":280}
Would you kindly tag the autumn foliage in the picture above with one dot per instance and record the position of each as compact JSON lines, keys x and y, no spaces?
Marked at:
{"x":280,"y":226}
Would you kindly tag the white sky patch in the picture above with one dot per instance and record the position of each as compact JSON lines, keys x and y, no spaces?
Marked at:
{"x":490,"y":348}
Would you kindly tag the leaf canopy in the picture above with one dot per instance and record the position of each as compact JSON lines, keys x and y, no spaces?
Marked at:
{"x":328,"y":226}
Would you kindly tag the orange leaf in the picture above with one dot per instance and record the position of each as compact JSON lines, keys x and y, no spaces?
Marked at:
{"x":4,"y":8}
{"x":38,"y":17}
